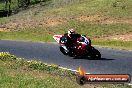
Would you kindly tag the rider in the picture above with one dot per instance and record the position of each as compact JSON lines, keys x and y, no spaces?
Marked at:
{"x":69,"y":38}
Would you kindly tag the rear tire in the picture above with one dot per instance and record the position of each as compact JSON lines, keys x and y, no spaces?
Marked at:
{"x":95,"y":54}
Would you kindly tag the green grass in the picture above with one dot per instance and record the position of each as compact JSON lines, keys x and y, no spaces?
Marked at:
{"x":20,"y":73}
{"x":2,"y":6}
{"x":54,"y":9}
{"x":85,"y":28}
{"x":10,"y":78}
{"x":30,"y":80}
{"x":127,"y":45}
{"x":90,"y":7}
{"x":91,"y":30}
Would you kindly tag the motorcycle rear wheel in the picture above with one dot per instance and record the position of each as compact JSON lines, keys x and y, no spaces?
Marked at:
{"x":95,"y":54}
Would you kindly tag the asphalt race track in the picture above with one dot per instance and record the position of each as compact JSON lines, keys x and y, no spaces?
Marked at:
{"x":113,"y":61}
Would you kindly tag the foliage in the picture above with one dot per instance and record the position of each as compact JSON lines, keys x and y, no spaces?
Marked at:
{"x":7,"y":56}
{"x":35,"y":23}
{"x":34,"y":65}
{"x":36,"y":74}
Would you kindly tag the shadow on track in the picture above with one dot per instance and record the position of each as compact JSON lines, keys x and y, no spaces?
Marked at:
{"x":88,"y":58}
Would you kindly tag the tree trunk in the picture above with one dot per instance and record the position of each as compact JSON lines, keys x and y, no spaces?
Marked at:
{"x":28,"y":2}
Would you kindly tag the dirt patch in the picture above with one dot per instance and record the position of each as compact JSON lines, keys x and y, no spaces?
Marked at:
{"x":90,"y":18}
{"x":54,"y":22}
{"x":124,"y":37}
{"x":104,"y":19}
{"x":3,"y":29}
{"x":19,"y":24}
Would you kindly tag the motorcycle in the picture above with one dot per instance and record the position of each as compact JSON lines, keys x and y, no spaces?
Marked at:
{"x":81,"y":48}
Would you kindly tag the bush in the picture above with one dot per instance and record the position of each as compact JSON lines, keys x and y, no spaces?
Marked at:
{"x":16,"y":63}
{"x":52,"y":68}
{"x":7,"y":56}
{"x":37,"y":65}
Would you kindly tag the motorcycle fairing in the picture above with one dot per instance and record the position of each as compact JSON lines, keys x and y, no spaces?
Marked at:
{"x":57,"y":38}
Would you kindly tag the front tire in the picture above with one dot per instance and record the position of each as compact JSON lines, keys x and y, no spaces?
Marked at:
{"x":63,"y":50}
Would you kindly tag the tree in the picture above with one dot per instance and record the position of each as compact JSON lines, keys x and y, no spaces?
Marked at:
{"x":23,"y":3}
{"x":8,"y":7}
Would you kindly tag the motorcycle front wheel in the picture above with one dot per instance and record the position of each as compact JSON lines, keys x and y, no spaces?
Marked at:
{"x":64,"y":50}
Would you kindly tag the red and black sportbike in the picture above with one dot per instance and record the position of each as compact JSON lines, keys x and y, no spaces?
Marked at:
{"x":81,"y":48}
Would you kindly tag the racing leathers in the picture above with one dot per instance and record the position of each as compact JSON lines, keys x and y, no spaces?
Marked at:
{"x":69,"y":42}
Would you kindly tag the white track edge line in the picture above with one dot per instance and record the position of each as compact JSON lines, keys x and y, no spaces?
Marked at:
{"x":130,"y":84}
